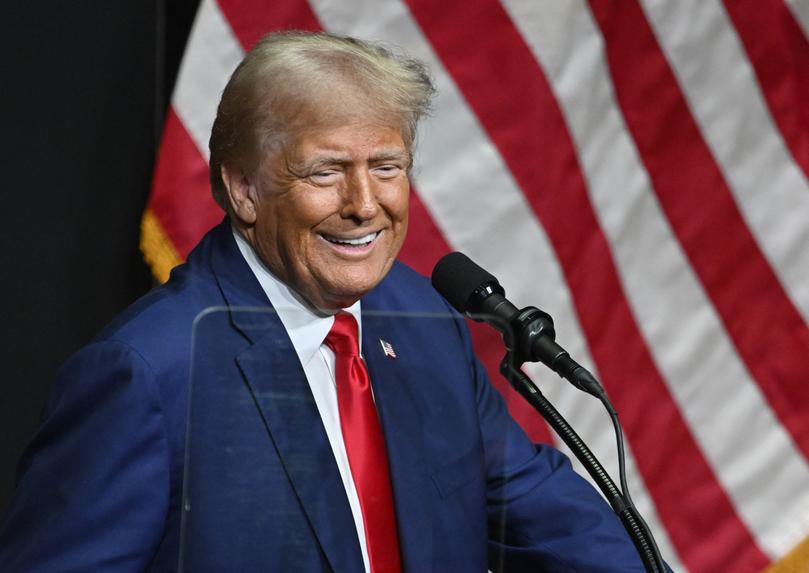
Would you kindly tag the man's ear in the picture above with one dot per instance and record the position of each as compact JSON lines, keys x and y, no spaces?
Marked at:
{"x":241,"y":192}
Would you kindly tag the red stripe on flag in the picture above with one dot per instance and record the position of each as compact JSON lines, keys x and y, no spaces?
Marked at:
{"x":762,"y":321}
{"x":423,"y":247}
{"x":497,"y":74}
{"x":251,"y":19}
{"x":181,"y":193}
{"x":779,"y":52}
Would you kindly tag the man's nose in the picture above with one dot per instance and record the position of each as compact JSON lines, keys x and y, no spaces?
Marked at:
{"x":360,"y":201}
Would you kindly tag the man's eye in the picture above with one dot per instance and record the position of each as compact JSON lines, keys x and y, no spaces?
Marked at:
{"x":387,"y":171}
{"x":326,"y":177}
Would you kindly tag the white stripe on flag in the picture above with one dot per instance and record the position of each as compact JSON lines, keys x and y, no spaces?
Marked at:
{"x":212,"y":53}
{"x":725,"y":408}
{"x":720,"y":86}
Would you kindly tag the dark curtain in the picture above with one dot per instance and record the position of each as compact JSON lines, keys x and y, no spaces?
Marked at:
{"x":84,"y":90}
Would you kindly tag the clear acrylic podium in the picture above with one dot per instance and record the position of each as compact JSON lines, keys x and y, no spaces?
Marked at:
{"x":258,"y":463}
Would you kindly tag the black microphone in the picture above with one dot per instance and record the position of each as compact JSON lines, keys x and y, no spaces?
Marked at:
{"x":528,"y":333}
{"x":529,"y":336}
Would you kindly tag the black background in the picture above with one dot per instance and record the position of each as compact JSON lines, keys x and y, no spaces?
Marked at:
{"x":84,"y":88}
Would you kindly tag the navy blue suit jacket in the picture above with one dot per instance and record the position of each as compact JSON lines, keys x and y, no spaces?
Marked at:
{"x":102,"y":488}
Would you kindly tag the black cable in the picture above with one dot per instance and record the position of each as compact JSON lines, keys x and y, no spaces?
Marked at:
{"x":630,"y":518}
{"x":619,"y":438}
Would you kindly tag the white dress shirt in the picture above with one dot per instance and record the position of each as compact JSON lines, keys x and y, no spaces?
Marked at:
{"x":308,"y":331}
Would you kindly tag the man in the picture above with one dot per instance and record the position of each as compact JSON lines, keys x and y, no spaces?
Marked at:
{"x":280,"y":457}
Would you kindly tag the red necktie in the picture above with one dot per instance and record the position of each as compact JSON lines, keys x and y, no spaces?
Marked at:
{"x":365,"y":446}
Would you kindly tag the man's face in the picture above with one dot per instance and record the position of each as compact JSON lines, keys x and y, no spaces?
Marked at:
{"x":331,"y":209}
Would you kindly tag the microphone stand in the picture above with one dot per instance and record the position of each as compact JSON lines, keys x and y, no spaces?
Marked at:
{"x":621,"y":502}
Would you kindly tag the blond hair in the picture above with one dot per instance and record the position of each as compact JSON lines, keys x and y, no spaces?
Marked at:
{"x":259,"y":102}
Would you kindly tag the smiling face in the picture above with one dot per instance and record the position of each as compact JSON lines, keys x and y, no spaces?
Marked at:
{"x":326,"y":211}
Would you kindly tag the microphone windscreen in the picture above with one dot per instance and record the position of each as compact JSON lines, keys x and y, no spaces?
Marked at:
{"x":457,"y":278}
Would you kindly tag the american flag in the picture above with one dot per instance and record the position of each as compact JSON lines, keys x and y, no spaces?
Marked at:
{"x":387,"y":348}
{"x":636,"y":168}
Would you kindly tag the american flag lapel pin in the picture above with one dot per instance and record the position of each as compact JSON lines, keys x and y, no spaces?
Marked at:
{"x":387,"y":348}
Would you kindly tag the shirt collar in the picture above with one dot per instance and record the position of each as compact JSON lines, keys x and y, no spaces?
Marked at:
{"x":306,"y":329}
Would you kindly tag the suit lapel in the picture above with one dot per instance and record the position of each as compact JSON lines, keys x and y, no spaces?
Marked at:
{"x":281,"y":392}
{"x":400,"y":419}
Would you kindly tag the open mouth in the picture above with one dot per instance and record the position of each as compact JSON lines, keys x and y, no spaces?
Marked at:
{"x":358,"y":243}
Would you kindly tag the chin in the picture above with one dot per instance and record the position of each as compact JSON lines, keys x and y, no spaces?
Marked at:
{"x":341,"y":284}
{"x":343,"y":294}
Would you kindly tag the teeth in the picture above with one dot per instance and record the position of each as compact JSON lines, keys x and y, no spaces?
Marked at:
{"x":355,"y":242}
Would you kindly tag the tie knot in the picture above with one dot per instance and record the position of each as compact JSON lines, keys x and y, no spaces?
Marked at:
{"x":343,"y":338}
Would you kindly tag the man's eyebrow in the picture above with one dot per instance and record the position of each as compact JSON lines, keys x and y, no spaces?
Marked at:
{"x":318,"y":162}
{"x":390,"y":154}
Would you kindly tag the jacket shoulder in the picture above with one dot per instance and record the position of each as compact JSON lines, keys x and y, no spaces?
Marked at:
{"x":161,"y":323}
{"x":163,"y":319}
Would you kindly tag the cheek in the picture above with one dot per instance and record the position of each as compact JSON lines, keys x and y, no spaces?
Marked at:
{"x":297,"y":214}
{"x":397,"y":206}
{"x":310,"y":207}
{"x":396,"y":202}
